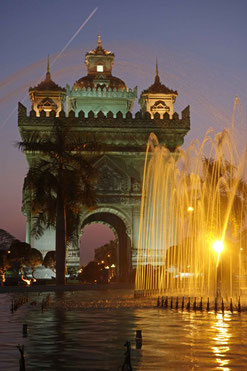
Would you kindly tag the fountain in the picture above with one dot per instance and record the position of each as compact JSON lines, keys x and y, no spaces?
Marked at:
{"x":193,"y":218}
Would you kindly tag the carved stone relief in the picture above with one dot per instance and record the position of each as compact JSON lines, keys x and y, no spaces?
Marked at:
{"x":111,"y":179}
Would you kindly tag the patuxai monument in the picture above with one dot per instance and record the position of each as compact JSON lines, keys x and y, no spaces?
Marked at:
{"x":101,"y":104}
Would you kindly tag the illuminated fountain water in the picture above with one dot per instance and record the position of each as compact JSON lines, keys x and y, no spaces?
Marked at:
{"x":193,"y":218}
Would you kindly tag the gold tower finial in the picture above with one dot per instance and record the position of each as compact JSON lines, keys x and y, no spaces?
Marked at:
{"x":99,"y":40}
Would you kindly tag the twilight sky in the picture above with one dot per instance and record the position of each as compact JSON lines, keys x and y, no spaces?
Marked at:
{"x":200,"y":45}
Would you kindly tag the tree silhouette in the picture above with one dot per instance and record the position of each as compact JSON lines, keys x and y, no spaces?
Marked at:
{"x":58,"y":185}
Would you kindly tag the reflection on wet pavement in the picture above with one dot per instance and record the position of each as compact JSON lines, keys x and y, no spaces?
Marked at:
{"x":87,"y":331}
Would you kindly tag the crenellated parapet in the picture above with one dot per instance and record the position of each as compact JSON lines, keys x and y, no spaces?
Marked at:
{"x":121,"y":130}
{"x":129,"y":117}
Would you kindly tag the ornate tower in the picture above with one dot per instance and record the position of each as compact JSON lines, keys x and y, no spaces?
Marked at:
{"x":98,"y":105}
{"x":100,"y":90}
{"x":158,"y":98}
{"x":47,"y":96}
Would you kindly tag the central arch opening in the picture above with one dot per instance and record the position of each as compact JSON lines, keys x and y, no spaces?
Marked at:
{"x":99,"y":253}
{"x":123,"y":251}
{"x":94,"y":236}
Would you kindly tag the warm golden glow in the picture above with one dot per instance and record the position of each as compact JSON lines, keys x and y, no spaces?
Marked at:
{"x":188,"y":201}
{"x":3,"y":277}
{"x":218,"y":247}
{"x":100,"y":68}
{"x":28,"y":282}
{"x":222,"y":336}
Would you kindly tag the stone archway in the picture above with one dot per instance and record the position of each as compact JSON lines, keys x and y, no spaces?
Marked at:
{"x":120,"y":227}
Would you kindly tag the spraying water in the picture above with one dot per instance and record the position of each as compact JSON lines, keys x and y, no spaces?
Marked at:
{"x":193,"y":217}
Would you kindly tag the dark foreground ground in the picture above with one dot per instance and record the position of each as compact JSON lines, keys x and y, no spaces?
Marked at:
{"x":68,"y":287}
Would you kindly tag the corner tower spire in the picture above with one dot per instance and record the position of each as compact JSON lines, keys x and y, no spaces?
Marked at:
{"x":157,"y":78}
{"x":48,"y":74}
{"x":48,"y":63}
{"x":158,"y":98}
{"x":47,"y":95}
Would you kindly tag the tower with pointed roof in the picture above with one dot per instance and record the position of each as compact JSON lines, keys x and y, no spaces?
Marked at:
{"x":47,"y":96}
{"x":158,"y":98}
{"x":99,"y":90}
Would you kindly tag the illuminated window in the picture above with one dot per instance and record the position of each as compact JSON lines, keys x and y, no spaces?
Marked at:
{"x":100,"y":68}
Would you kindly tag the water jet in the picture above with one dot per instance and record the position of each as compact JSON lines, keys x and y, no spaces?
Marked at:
{"x":193,"y":215}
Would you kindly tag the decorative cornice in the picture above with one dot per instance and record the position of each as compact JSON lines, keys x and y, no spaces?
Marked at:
{"x":109,"y":93}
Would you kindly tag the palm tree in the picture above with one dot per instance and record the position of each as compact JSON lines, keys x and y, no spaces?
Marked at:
{"x":58,"y":185}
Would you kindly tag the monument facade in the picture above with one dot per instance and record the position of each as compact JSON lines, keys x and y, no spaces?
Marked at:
{"x":100,"y":104}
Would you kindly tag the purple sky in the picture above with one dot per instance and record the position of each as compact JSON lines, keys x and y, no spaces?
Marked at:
{"x":200,"y":45}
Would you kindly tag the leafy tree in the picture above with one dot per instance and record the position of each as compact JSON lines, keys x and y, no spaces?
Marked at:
{"x":4,"y":265}
{"x":107,"y":253}
{"x":22,"y":254}
{"x":93,"y":273}
{"x":50,"y":260}
{"x":73,"y":271}
{"x":59,"y":183}
{"x":33,"y":259}
{"x":19,"y":252}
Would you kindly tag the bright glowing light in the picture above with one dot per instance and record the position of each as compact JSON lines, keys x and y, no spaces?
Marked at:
{"x":113,"y":266}
{"x":185,"y":274}
{"x":100,"y":68}
{"x":107,"y":267}
{"x":218,"y":246}
{"x":28,"y":282}
{"x":190,"y":209}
